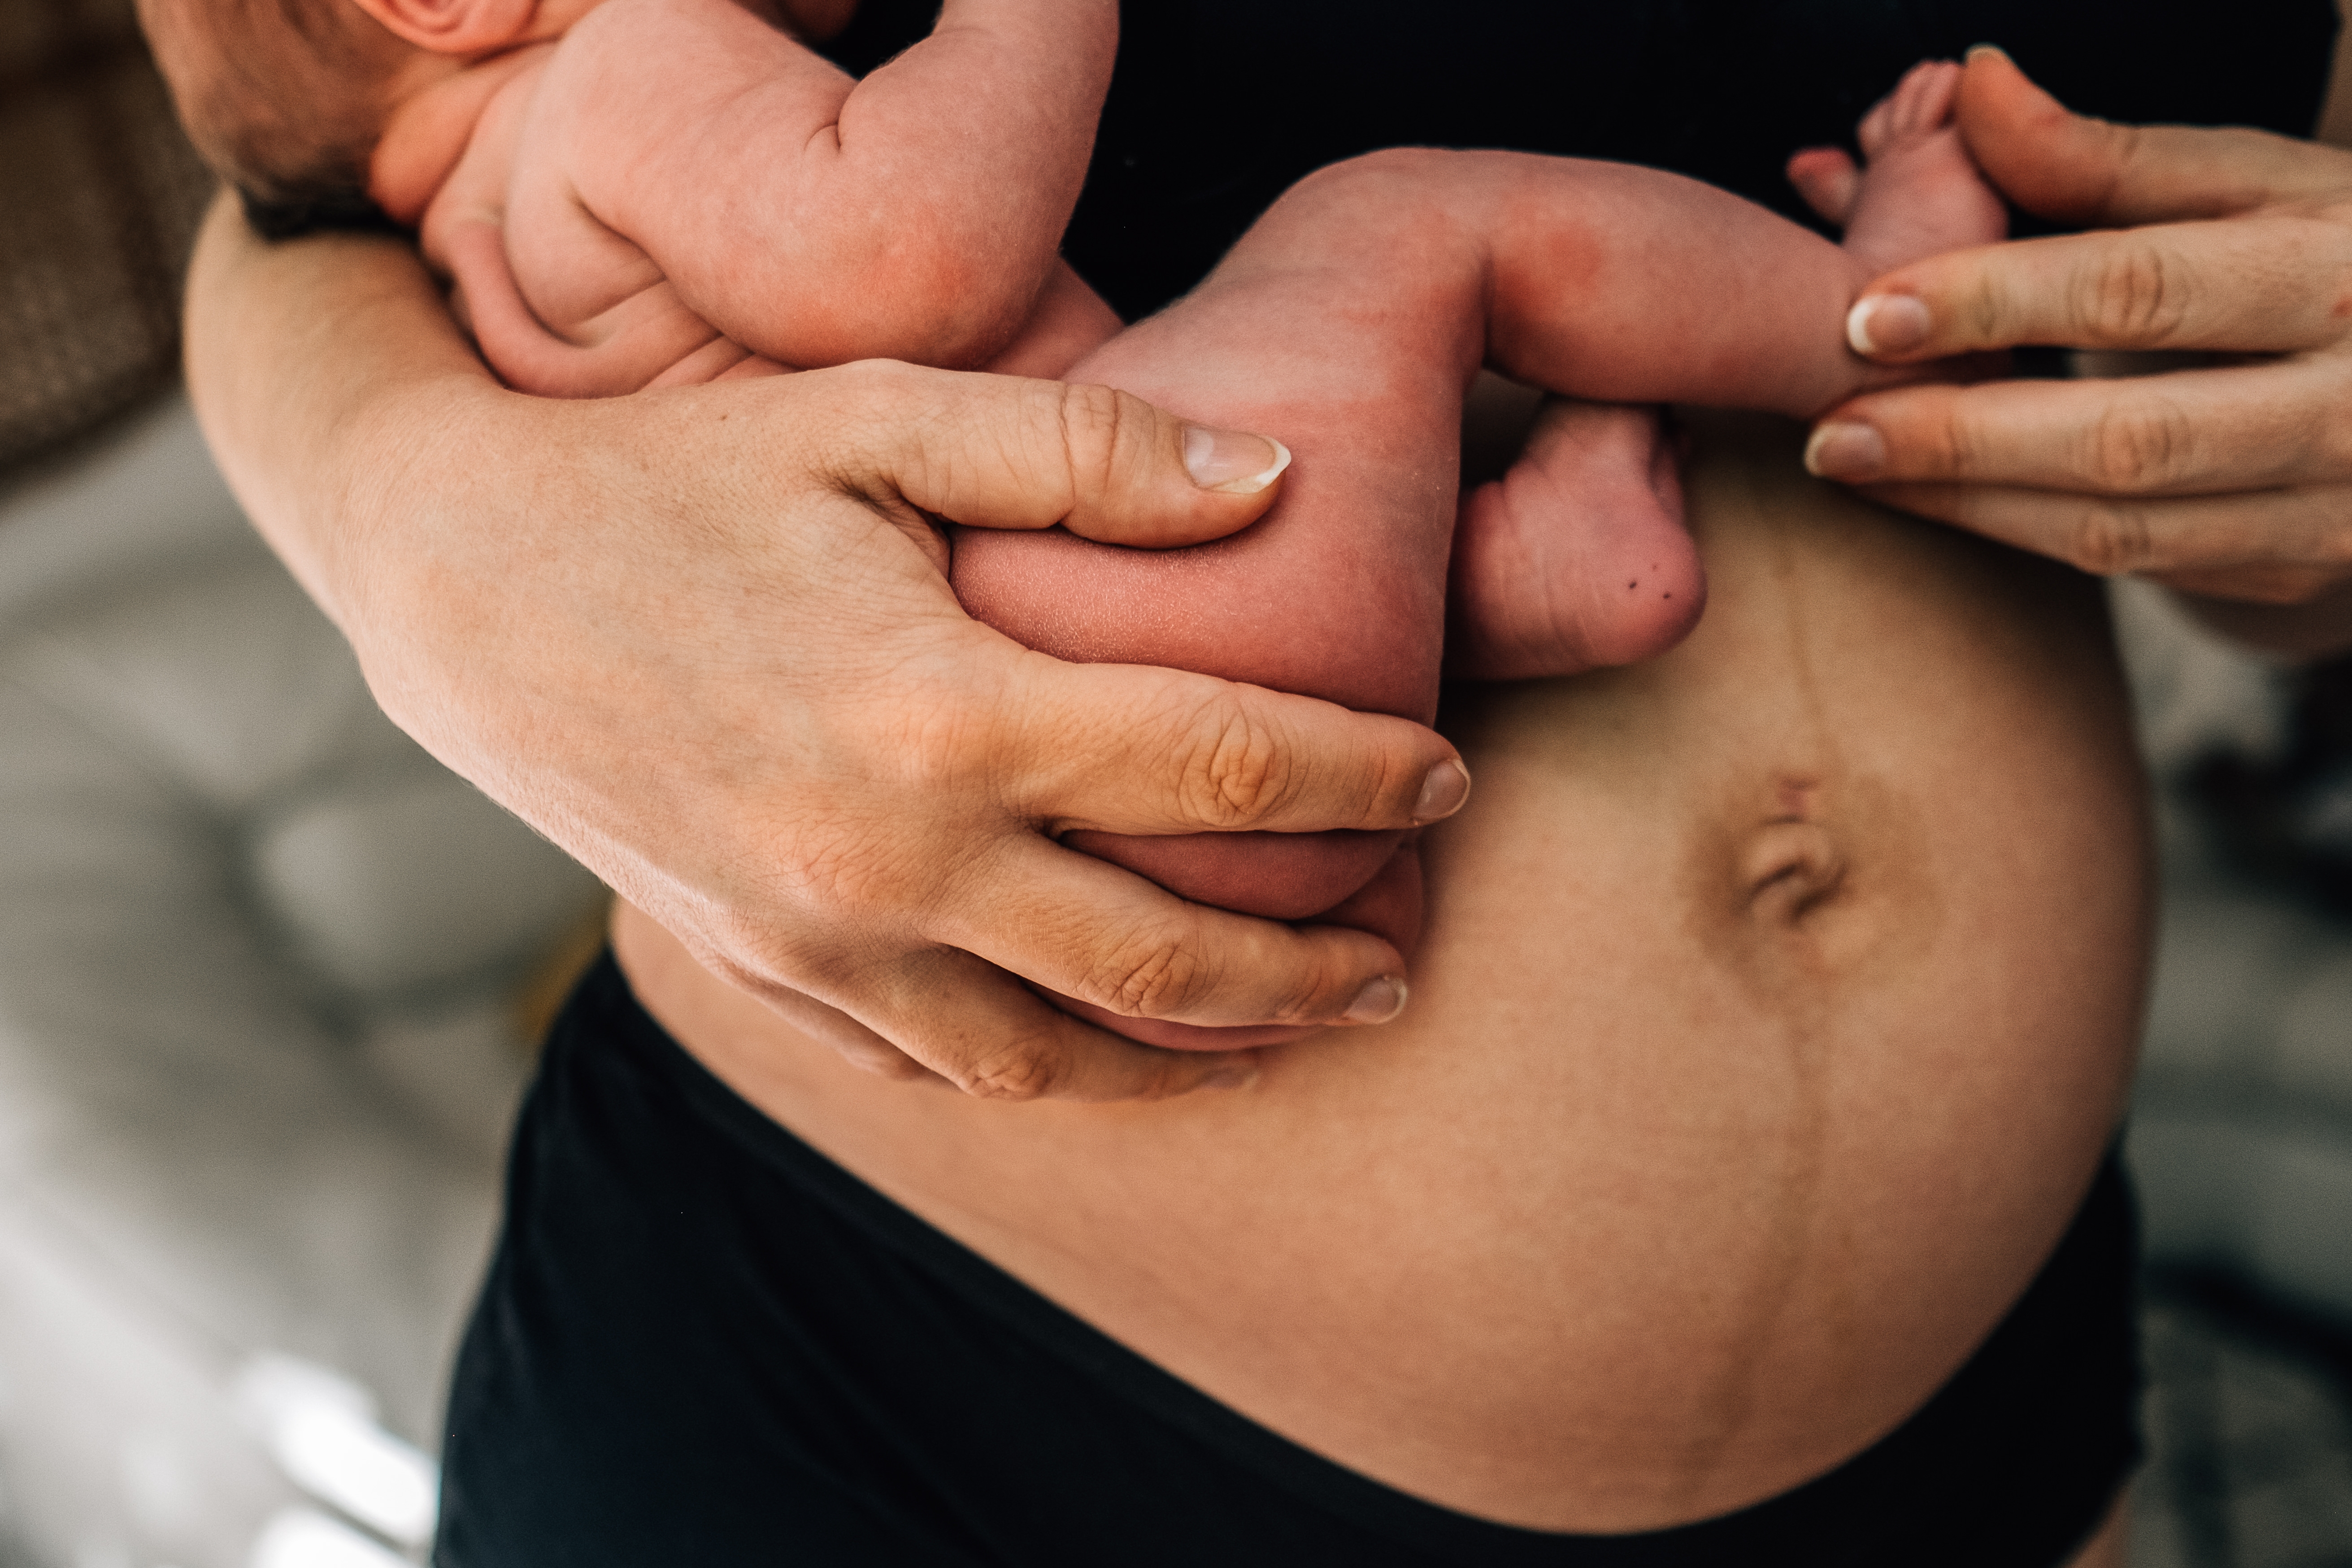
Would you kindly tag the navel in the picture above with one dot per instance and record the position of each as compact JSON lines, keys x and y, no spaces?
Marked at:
{"x":1788,"y":869}
{"x":1790,"y":863}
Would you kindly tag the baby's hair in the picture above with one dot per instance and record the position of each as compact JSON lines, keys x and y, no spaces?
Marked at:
{"x":285,"y":98}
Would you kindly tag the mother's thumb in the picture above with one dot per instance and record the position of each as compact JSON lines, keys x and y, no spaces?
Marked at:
{"x":993,"y":451}
{"x":2075,"y":170}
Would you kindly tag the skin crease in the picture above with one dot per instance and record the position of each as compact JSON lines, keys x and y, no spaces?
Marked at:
{"x":1777,"y":1002}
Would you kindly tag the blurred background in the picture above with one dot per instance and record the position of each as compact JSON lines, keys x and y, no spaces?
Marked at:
{"x":271,"y":978}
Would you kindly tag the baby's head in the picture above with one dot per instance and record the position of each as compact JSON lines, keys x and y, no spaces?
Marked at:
{"x":288,"y":99}
{"x":285,"y":99}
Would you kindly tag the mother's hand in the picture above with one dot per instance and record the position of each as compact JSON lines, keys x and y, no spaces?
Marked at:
{"x":702,"y":639}
{"x":2231,"y":482}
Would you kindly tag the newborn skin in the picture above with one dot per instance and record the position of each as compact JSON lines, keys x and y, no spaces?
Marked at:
{"x":677,"y":191}
{"x":1350,"y":319}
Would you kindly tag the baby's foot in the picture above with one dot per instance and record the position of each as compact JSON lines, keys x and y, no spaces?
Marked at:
{"x":1577,"y":557}
{"x":1920,"y":194}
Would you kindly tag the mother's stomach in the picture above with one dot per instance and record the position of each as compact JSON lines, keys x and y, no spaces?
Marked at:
{"x":1775,"y":1005}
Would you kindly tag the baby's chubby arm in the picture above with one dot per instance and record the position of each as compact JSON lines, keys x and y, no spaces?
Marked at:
{"x":913,"y":214}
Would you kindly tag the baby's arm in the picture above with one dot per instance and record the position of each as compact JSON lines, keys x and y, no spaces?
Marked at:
{"x":913,"y":214}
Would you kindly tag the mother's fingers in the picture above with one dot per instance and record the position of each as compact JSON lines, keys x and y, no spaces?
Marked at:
{"x":2270,"y":283}
{"x":2197,"y":432}
{"x":988,"y":1035}
{"x":1086,"y":929}
{"x":2278,"y":547}
{"x":1137,"y":749}
{"x":995,"y":451}
{"x":2087,"y":172}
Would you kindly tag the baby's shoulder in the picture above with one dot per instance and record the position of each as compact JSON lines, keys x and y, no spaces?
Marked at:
{"x":645,"y":35}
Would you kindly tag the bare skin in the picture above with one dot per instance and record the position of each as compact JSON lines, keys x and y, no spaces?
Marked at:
{"x":1776,"y":1003}
{"x":576,"y":605}
{"x":659,"y":192}
{"x":2232,"y":482}
{"x":631,"y":195}
{"x":1350,"y":317}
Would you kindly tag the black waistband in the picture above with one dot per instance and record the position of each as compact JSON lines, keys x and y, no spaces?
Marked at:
{"x":701,"y":1334}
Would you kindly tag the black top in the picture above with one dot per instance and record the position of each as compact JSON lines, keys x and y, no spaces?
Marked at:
{"x":1218,"y":105}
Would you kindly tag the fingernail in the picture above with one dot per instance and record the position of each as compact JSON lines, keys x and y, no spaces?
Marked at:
{"x":1377,"y":1003}
{"x":1886,"y":324}
{"x":1232,"y":463}
{"x":1842,"y":450}
{"x":1442,"y":793}
{"x":1995,"y":50}
{"x":1239,"y":1076}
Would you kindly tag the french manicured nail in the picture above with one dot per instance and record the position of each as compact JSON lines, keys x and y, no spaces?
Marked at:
{"x":1840,"y":450}
{"x":1886,"y":324}
{"x":1378,"y":1002}
{"x":1232,"y":463}
{"x":1442,"y":793}
{"x":1241,"y":1075}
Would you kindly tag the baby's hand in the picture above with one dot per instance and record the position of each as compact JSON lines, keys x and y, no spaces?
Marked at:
{"x":1920,"y":194}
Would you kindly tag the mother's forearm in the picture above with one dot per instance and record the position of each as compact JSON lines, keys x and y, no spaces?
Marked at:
{"x":319,"y":368}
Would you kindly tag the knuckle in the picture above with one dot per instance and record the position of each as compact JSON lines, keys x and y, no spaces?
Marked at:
{"x":2135,"y":295}
{"x":2140,"y":446}
{"x":943,"y":749}
{"x":1153,"y":972}
{"x":1945,"y":442}
{"x":872,"y":388}
{"x":1232,"y":769}
{"x":2111,"y":541}
{"x":859,"y":873}
{"x":1024,"y":1067}
{"x":1095,"y":426}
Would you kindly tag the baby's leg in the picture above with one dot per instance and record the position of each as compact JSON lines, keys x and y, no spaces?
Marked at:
{"x":1351,"y":337}
{"x":1349,"y":321}
{"x":1576,"y":557}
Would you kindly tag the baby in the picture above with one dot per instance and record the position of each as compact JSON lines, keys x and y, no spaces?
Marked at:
{"x":631,"y":193}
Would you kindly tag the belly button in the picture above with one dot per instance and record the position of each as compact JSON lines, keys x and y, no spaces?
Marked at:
{"x":1788,"y":867}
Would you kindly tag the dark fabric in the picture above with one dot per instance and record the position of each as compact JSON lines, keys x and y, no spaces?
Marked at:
{"x":702,"y":1342}
{"x":1219,"y":105}
{"x":99,"y":197}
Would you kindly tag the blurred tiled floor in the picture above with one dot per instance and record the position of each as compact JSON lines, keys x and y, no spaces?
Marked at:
{"x":2249,"y":1420}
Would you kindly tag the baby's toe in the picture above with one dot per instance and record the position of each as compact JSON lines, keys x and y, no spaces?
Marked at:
{"x":1920,"y":103}
{"x":1876,"y":127}
{"x":1828,"y":181}
{"x":1936,"y":86}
